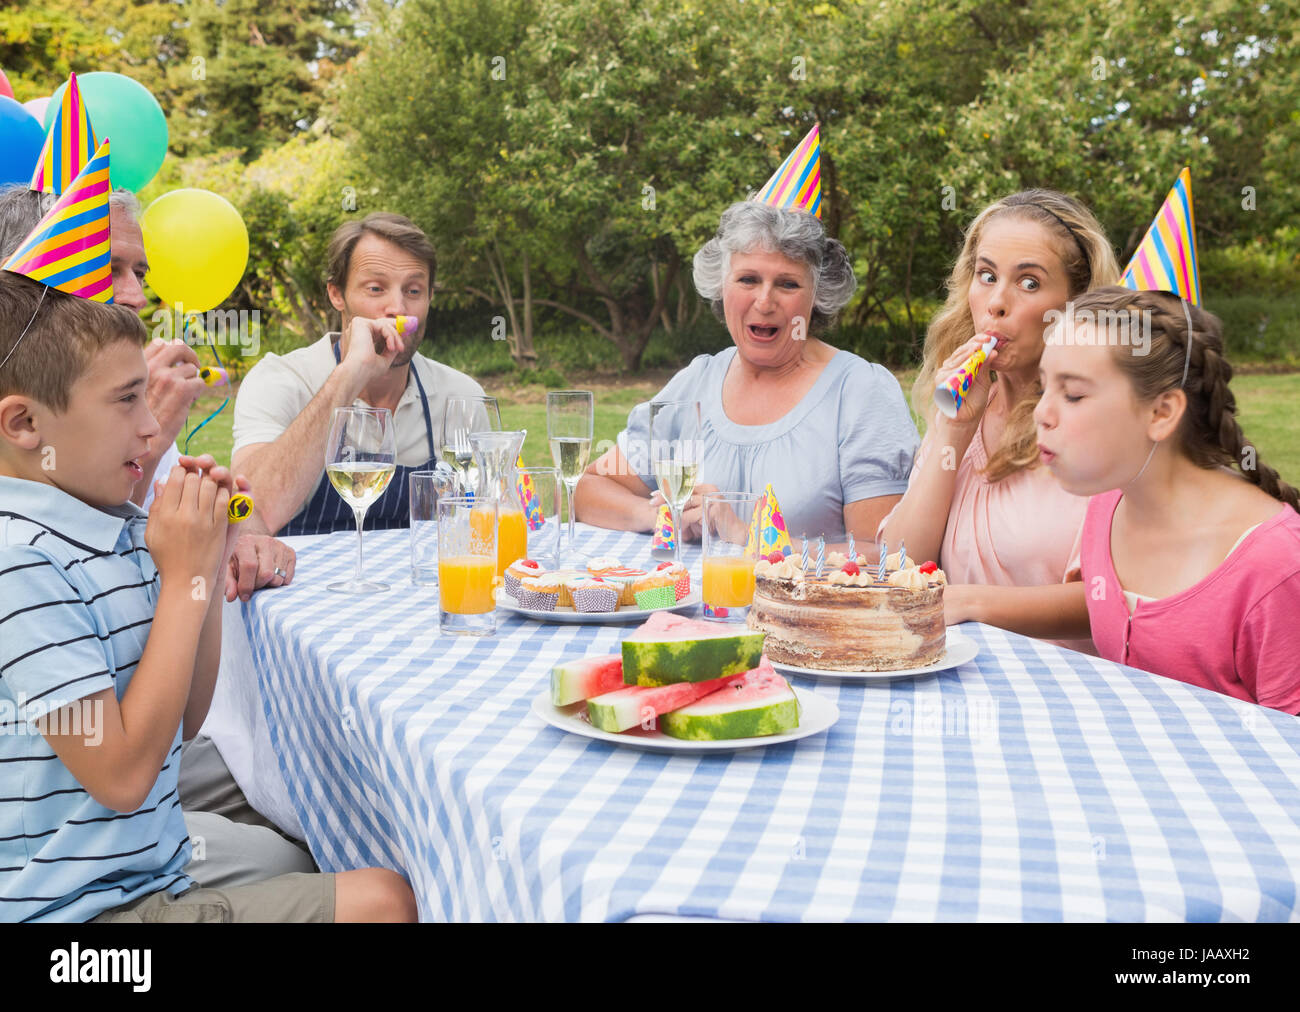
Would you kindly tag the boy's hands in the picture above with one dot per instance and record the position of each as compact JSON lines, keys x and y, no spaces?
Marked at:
{"x":189,"y":533}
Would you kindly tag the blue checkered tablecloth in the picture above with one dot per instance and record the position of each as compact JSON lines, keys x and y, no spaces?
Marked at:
{"x":1032,"y":783}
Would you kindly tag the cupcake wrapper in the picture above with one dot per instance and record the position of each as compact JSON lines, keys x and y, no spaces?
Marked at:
{"x":593,"y":599}
{"x":683,"y":587}
{"x":656,"y":597}
{"x":536,"y":600}
{"x":512,"y":584}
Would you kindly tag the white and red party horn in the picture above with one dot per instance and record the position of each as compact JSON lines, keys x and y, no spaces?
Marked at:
{"x":950,"y":393}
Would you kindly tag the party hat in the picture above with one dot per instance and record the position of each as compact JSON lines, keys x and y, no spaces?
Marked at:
{"x":68,"y":248}
{"x":528,"y":496}
{"x":767,"y":533}
{"x":69,"y":145}
{"x":797,"y":184}
{"x":1165,"y":260}
{"x":664,"y":537}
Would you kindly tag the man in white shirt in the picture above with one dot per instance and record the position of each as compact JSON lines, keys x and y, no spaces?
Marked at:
{"x":379,"y":268}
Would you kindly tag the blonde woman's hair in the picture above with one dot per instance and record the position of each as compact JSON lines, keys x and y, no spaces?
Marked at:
{"x":1208,"y":434}
{"x":1089,"y":263}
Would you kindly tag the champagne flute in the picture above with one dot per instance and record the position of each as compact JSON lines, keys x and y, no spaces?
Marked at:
{"x":569,"y":420}
{"x":460,"y":417}
{"x":360,"y":458}
{"x":675,"y":456}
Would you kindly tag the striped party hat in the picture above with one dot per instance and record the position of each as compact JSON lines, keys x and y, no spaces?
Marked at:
{"x":69,"y":145}
{"x":68,"y":248}
{"x":1165,"y":260}
{"x":797,"y":184}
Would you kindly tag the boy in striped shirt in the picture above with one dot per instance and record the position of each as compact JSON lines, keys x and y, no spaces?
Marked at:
{"x":110,"y":631}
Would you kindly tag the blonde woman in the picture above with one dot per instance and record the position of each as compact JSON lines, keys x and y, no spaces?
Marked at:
{"x":977,"y":502}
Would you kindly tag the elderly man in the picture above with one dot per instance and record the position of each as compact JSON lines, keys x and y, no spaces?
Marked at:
{"x":379,"y":268}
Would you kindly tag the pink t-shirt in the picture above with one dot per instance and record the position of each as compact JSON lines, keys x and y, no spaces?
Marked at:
{"x":1022,"y":531}
{"x":1237,"y":631}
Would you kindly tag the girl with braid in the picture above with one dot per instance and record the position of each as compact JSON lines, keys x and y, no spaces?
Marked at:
{"x":1191,"y":544}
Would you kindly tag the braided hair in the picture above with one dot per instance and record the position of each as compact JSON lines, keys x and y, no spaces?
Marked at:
{"x":1208,"y":434}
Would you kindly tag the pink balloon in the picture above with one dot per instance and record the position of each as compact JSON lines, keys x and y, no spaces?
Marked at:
{"x":5,"y":89}
{"x":36,"y":107}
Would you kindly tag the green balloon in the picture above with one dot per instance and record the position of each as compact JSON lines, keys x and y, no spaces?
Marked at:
{"x":125,"y":112}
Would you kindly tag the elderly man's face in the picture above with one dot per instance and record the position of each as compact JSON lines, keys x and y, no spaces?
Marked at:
{"x":384,"y":280}
{"x":129,"y":264}
{"x":767,"y":301}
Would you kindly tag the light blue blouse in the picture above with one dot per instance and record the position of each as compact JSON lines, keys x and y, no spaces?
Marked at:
{"x":850,"y":438}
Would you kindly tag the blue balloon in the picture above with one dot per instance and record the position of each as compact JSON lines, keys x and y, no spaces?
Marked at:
{"x":21,"y":139}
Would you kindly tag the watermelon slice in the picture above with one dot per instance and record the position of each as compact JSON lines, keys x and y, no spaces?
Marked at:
{"x":672,"y":648}
{"x":626,"y":708}
{"x":574,"y":681}
{"x":759,"y":702}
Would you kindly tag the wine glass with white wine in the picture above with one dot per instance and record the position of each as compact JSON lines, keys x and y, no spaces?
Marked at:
{"x":569,"y":419}
{"x":360,"y":458}
{"x":675,"y":457}
{"x":460,"y":417}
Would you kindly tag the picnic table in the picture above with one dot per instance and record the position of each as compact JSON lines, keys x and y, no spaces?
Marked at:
{"x":1031,"y":783}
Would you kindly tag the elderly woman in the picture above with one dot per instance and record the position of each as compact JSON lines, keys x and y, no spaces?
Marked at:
{"x":830,"y":431}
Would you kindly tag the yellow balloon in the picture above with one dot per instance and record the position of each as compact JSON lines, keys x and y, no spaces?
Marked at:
{"x":197,"y":247}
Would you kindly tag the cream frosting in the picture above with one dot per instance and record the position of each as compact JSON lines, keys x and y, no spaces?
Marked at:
{"x":786,"y":569}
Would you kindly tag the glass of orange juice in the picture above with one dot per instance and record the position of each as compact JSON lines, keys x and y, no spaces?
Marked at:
{"x":467,"y":565}
{"x":729,"y":554}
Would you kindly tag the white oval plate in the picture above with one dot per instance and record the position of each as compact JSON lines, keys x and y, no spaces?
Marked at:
{"x":626,"y":613}
{"x":816,"y":714}
{"x":960,"y":649}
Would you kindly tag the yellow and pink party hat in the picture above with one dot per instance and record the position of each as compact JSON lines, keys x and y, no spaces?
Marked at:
{"x":767,"y":533}
{"x":797,"y":184}
{"x":528,"y":496}
{"x":68,"y":248}
{"x":665,"y":537}
{"x":69,"y":145}
{"x":1165,"y":260}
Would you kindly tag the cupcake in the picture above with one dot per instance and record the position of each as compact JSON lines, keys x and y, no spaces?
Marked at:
{"x":592,"y":594}
{"x":619,"y":575}
{"x":680,"y":574}
{"x":655,"y":590}
{"x":540,"y":593}
{"x":516,"y":571}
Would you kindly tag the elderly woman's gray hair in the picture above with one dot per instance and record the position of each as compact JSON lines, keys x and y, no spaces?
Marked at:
{"x":21,"y":209}
{"x":748,"y":226}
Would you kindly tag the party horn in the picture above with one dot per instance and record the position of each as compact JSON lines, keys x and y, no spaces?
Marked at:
{"x":213,"y":376}
{"x":950,"y":393}
{"x":240,"y":508}
{"x":406,"y":324}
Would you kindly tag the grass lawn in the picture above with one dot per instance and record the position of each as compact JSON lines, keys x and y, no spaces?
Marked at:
{"x":1267,"y":406}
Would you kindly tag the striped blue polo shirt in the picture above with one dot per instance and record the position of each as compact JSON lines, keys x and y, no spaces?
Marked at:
{"x":77,"y":595}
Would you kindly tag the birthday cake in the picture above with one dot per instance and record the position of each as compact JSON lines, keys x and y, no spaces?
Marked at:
{"x":848,"y":619}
